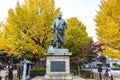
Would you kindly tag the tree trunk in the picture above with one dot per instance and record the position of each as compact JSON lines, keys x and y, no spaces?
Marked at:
{"x":78,"y":69}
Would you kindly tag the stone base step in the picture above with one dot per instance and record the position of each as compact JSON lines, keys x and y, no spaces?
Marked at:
{"x":58,"y":77}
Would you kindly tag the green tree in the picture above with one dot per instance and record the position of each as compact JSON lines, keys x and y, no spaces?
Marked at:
{"x":76,"y":37}
{"x":27,"y":30}
{"x":108,"y":27}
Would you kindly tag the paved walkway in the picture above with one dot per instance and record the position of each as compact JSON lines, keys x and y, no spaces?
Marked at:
{"x":77,"y":78}
{"x":42,"y":78}
{"x":2,"y":73}
{"x":74,"y":78}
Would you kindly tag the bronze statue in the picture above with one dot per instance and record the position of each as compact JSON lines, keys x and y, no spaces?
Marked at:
{"x":58,"y":27}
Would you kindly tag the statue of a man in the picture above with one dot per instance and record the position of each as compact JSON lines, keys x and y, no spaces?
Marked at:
{"x":58,"y":27}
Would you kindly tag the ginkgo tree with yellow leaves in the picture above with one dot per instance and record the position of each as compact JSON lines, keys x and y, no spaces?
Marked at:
{"x":108,"y":27}
{"x":27,"y":30}
{"x":76,"y":36}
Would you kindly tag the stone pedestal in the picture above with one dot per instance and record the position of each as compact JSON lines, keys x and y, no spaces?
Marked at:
{"x":58,"y":65}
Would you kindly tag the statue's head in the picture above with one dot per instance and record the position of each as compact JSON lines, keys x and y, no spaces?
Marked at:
{"x":60,"y":16}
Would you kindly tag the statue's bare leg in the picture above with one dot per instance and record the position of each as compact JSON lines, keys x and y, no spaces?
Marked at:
{"x":61,"y":45}
{"x":57,"y":43}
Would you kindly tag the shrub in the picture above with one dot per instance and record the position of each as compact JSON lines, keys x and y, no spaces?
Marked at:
{"x":87,"y":73}
{"x":82,"y":72}
{"x":37,"y":72}
{"x":115,"y":68}
{"x":114,"y":64}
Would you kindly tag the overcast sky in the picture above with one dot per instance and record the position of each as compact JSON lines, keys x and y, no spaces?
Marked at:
{"x":84,"y":10}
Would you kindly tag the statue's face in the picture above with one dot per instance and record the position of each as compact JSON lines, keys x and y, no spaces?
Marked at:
{"x":59,"y":16}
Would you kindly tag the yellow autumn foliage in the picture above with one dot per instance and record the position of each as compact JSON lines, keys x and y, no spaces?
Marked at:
{"x":108,"y":27}
{"x":27,"y":30}
{"x":76,"y":36}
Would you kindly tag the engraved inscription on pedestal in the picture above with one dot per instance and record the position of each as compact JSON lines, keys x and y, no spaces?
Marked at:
{"x":58,"y":66}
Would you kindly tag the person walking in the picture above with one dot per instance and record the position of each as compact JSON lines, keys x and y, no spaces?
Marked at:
{"x":106,"y":74}
{"x":6,"y":74}
{"x":100,"y":72}
{"x":0,"y":68}
{"x":19,"y":72}
{"x":10,"y":73}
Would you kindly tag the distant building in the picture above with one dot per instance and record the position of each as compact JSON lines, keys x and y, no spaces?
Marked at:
{"x":112,"y":62}
{"x":93,"y":64}
{"x":109,"y":63}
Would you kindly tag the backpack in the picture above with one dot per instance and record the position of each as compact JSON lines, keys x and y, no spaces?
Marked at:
{"x":106,"y":74}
